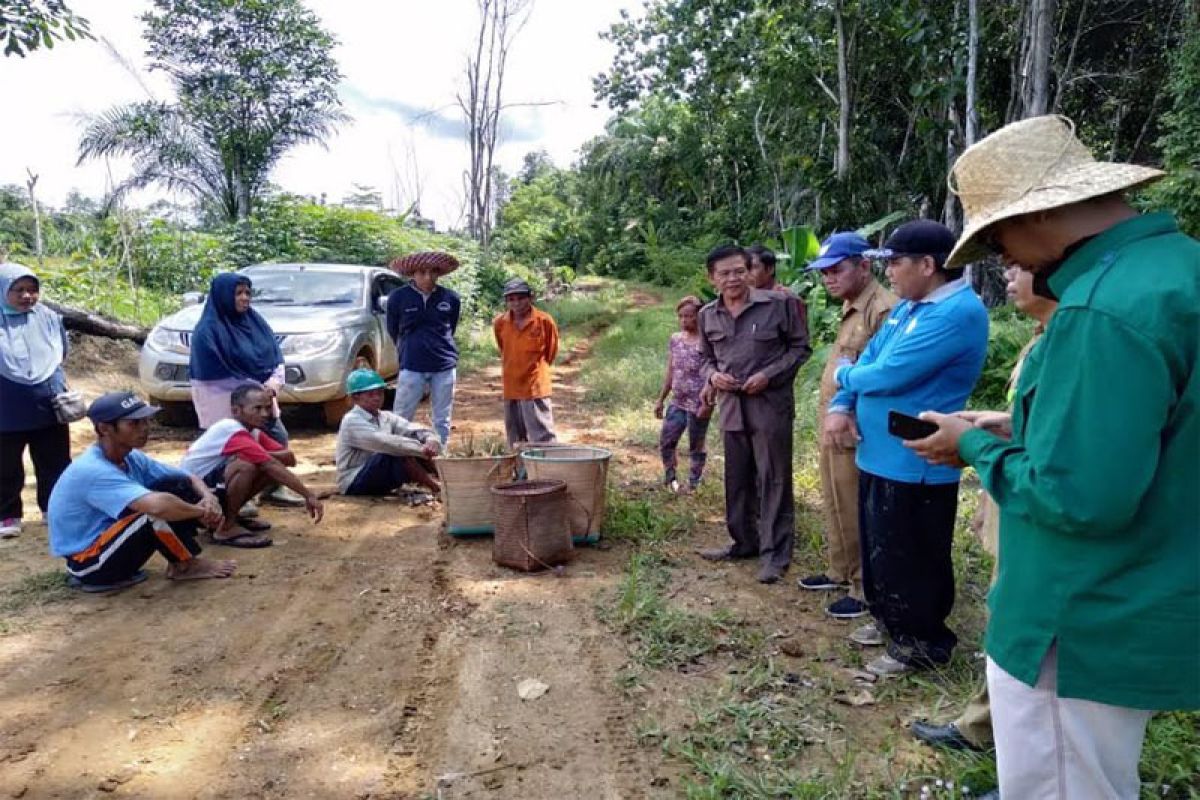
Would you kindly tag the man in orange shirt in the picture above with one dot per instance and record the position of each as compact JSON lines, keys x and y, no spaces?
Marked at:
{"x":528,"y":342}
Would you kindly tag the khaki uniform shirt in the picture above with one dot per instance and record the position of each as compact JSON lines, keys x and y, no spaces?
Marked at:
{"x":861,"y":318}
{"x":768,"y":337}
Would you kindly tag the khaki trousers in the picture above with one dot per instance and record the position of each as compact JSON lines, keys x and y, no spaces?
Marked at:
{"x":839,"y":489}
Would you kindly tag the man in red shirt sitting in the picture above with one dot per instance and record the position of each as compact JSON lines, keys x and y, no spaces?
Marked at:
{"x":238,"y":458}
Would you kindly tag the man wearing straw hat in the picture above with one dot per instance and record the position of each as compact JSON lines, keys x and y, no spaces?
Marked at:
{"x":422,"y":319}
{"x":1095,"y":613}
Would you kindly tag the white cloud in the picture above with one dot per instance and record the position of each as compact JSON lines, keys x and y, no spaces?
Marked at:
{"x":397,"y":56}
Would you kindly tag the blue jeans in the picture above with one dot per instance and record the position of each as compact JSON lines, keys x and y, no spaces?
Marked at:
{"x":410,"y":388}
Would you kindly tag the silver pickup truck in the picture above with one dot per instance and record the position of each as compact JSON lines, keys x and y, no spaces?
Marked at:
{"x":326,"y":317}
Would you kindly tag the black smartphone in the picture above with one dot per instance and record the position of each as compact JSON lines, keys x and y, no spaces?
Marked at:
{"x":908,"y":427}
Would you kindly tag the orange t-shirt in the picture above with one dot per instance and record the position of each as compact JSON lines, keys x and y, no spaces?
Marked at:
{"x":526,"y":354}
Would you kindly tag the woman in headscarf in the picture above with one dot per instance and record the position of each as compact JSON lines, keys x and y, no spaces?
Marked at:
{"x":33,"y":344}
{"x":232,"y":344}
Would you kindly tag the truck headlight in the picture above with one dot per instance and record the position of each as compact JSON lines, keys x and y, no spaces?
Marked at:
{"x":310,"y":345}
{"x":168,"y":341}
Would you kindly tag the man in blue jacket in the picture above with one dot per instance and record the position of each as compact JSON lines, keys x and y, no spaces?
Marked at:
{"x":928,"y":355}
{"x":422,"y":318}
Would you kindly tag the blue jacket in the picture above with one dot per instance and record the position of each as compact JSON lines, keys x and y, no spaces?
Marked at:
{"x":423,"y":329}
{"x":926,"y":357}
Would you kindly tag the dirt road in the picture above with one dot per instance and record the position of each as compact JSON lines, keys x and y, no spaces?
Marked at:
{"x":370,"y":656}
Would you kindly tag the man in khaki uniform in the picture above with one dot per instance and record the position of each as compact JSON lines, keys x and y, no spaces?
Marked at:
{"x":865,"y":305}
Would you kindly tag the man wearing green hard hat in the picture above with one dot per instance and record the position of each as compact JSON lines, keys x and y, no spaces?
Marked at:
{"x":379,"y":451}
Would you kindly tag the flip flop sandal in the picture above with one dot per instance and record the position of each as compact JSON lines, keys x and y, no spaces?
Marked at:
{"x":246,"y":541}
{"x":102,"y":588}
{"x":256,"y":525}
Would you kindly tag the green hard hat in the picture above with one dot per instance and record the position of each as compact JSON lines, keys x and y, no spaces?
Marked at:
{"x":364,"y":380}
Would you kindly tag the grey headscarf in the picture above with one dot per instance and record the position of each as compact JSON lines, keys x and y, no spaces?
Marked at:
{"x":32,"y":343}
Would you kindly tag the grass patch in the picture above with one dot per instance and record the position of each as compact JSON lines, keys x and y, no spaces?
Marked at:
{"x":748,"y":739}
{"x":663,"y":635}
{"x":34,"y":590}
{"x":644,"y":520}
{"x":629,"y":360}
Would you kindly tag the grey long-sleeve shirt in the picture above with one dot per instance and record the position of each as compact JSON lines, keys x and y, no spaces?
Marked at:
{"x":362,"y":435}
{"x":768,"y":337}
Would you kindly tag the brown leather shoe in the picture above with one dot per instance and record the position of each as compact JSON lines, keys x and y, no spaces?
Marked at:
{"x":769,"y":573}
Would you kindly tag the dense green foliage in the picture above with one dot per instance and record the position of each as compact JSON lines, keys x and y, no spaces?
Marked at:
{"x":727,"y":115}
{"x":98,"y":259}
{"x":253,"y":78}
{"x":27,"y":25}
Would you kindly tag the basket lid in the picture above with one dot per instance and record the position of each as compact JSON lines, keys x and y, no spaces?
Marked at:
{"x":529,"y":488}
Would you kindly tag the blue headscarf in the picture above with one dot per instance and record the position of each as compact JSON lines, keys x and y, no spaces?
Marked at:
{"x":33,"y":342}
{"x":227,"y":344}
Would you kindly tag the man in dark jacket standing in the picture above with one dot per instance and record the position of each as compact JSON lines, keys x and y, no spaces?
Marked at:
{"x":752,"y":342}
{"x":422,"y":318}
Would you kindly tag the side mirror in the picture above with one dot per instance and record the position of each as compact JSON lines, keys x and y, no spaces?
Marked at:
{"x":381,"y":304}
{"x":192,"y":298}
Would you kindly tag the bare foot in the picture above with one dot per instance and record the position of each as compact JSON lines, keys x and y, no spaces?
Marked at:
{"x":231,"y":530}
{"x":200,"y":568}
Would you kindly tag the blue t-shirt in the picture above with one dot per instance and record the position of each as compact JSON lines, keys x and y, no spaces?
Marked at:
{"x":92,"y":493}
{"x":423,"y":328}
{"x":927,"y":356}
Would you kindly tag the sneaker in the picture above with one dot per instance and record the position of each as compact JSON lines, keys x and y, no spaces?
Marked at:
{"x":887,"y":667}
{"x":10,"y":528}
{"x":820,"y":583}
{"x":282,"y":496}
{"x":867,"y":635}
{"x":847,"y":608}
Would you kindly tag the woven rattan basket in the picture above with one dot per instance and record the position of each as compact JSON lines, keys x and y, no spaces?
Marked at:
{"x":531,"y":525}
{"x":585,"y":470}
{"x":466,"y":484}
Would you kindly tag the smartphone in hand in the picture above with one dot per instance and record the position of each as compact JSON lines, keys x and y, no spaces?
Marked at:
{"x":908,"y":427}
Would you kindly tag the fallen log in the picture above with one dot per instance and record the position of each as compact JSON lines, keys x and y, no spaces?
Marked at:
{"x":76,"y":319}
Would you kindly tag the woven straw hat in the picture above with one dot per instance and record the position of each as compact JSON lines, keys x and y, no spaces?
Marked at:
{"x":444,"y":263}
{"x":1032,"y":165}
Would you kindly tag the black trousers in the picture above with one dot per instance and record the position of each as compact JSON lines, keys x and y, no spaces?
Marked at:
{"x":760,"y":510}
{"x":50,"y":450}
{"x":905,"y":532}
{"x":126,"y":545}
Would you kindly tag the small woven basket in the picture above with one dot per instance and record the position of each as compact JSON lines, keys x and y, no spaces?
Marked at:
{"x":465,"y":485}
{"x":531,"y":525}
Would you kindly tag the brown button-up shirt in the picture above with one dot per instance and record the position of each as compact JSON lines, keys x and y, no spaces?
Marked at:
{"x":768,"y":337}
{"x":861,"y":318}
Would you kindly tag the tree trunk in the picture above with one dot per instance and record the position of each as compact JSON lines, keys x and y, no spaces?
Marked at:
{"x":841,"y":164}
{"x":1036,"y":89}
{"x":972,"y":122}
{"x":76,"y":319}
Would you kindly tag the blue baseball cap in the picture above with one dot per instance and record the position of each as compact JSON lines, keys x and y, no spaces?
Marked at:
{"x":120,"y":405}
{"x":836,"y":247}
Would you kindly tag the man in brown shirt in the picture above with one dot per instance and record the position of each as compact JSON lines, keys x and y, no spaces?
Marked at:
{"x":865,"y":305}
{"x":762,"y":276}
{"x":752,"y":342}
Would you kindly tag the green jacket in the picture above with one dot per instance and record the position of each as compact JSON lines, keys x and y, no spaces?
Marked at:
{"x":1099,"y":489}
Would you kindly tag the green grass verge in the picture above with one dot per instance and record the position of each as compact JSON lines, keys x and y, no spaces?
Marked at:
{"x":33,"y":590}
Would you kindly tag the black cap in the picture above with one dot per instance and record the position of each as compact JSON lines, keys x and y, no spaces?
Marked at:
{"x":120,"y":405}
{"x":516,"y":286}
{"x":921,"y":237}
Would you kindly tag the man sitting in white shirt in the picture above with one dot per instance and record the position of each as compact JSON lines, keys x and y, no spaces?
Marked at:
{"x":238,"y":458}
{"x":378,"y":451}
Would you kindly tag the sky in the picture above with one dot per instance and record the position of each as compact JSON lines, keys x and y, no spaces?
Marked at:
{"x":402,"y":63}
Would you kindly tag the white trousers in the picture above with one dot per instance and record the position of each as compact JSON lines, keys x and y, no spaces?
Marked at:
{"x":1054,"y":748}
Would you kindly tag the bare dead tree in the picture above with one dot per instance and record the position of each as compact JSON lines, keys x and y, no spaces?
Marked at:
{"x":30,"y":185}
{"x":482,"y":104}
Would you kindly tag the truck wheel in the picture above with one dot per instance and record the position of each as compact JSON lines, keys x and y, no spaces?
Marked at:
{"x":176,"y":414}
{"x":334,"y":410}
